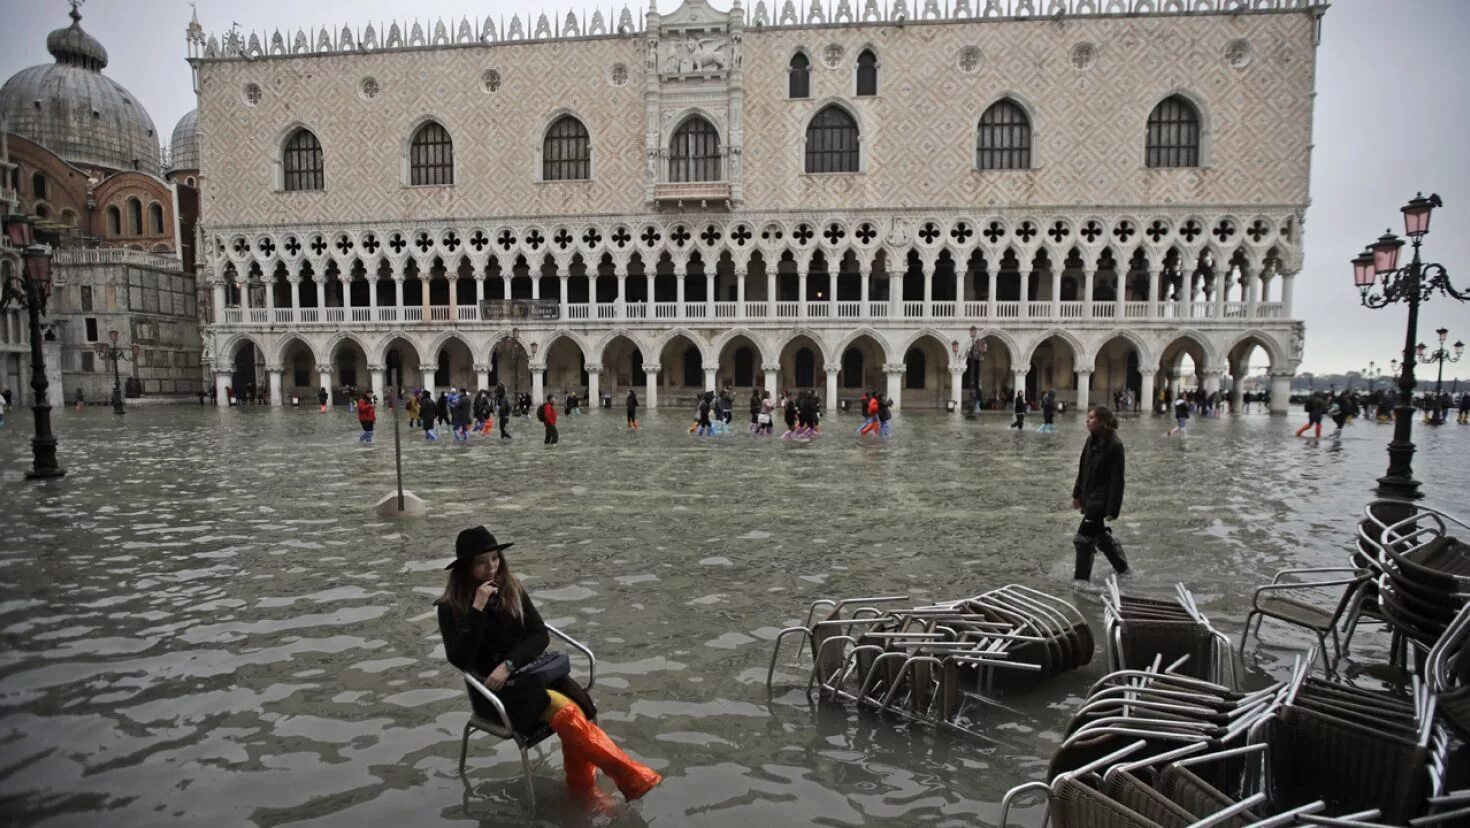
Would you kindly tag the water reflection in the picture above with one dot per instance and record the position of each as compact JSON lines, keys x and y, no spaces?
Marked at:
{"x":203,"y":623}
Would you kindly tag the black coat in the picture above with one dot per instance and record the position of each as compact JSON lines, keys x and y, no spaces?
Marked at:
{"x":478,"y":642}
{"x":1099,"y":483}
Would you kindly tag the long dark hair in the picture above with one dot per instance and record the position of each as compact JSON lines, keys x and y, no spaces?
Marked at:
{"x":1107,"y":419}
{"x":459,"y":593}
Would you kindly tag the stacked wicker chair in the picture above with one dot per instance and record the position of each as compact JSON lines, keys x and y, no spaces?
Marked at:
{"x":1138,"y":630}
{"x":1421,"y":572}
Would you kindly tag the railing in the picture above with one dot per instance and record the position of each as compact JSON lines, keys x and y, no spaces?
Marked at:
{"x":438,"y":313}
{"x":694,"y":310}
{"x":1038,"y":310}
{"x":1104,"y":310}
{"x":1007,"y":310}
{"x":942,"y":310}
{"x":849,"y":310}
{"x":726,"y":310}
{"x":817,"y":310}
{"x":1201,"y":310}
{"x":786,"y":310}
{"x":1234,"y":310}
{"x":579,"y":311}
{"x":362,"y":314}
{"x":467,"y":313}
{"x":977,"y":310}
{"x":334,"y":314}
{"x":259,"y":316}
{"x":1069,"y":310}
{"x":636,"y":310}
{"x":755,"y":310}
{"x":1135,"y":310}
{"x":606,"y":310}
{"x":414,"y":313}
{"x":877,"y":310}
{"x":310,"y":315}
{"x":665,"y":310}
{"x":389,"y":314}
{"x":233,"y":316}
{"x":913,"y":310}
{"x":284,"y":316}
{"x":1270,"y":310}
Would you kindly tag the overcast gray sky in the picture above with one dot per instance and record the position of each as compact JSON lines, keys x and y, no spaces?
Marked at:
{"x":1392,"y":103}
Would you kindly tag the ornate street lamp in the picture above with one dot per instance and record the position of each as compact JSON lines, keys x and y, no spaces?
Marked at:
{"x":1381,"y":282}
{"x":109,"y":350}
{"x":1440,"y":355}
{"x":31,"y":288}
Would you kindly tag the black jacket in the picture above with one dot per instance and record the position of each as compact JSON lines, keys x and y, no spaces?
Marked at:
{"x":1099,"y":483}
{"x":479,"y":641}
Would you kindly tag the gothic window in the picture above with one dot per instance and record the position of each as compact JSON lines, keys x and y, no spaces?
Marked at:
{"x":799,"y":77}
{"x":135,"y":217}
{"x":867,"y":73}
{"x":852,"y":369}
{"x":38,"y":185}
{"x":1173,"y":134}
{"x":1005,"y":138}
{"x":914,"y":369}
{"x":694,"y":152}
{"x":806,"y":368}
{"x":431,"y":156}
{"x":832,"y":142}
{"x":303,"y":162}
{"x":155,"y":219}
{"x":566,"y":154}
{"x":114,"y":220}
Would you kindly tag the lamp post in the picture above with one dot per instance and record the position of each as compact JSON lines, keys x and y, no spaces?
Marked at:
{"x":978,"y":349}
{"x":31,"y":289}
{"x":1381,"y":282}
{"x":109,"y":350}
{"x":1440,"y":355}
{"x":509,"y":346}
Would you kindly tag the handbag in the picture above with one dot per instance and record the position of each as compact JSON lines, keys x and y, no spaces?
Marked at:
{"x":764,"y":419}
{"x":547,"y":668}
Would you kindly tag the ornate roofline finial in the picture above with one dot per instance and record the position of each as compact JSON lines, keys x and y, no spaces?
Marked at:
{"x":76,"y":12}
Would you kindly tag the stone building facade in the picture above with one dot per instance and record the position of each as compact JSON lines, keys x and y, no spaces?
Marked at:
{"x":1086,"y":196}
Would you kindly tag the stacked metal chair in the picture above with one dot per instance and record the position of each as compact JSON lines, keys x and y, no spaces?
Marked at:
{"x":1421,"y":571}
{"x":933,"y":662}
{"x":1135,"y":630}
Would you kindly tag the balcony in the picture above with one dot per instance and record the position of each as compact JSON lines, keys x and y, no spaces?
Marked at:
{"x":693,"y":193}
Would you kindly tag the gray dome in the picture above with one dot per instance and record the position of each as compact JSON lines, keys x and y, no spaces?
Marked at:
{"x":72,"y":109}
{"x":184,"y":145}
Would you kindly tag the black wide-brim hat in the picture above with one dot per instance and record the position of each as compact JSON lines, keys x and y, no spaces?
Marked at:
{"x":474,"y":542}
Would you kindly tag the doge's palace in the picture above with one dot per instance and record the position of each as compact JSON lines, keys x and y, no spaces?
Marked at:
{"x":1003,"y":194}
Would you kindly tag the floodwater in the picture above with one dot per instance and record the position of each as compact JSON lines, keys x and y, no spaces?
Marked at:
{"x":202,"y":623}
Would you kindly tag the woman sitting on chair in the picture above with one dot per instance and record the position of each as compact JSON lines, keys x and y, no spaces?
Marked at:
{"x":491,"y":629}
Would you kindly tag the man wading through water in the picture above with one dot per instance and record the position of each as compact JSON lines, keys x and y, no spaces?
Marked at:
{"x":1098,"y":494}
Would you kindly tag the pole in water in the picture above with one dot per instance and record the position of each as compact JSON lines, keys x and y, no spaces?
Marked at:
{"x":397,"y":448}
{"x":398,"y":503}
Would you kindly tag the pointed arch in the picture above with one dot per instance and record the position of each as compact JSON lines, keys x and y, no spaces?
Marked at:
{"x":798,"y":75}
{"x":600,"y":346}
{"x":725,"y":338}
{"x":694,"y":149}
{"x":856,"y":334}
{"x":566,"y":148}
{"x":657,"y":348}
{"x":276,"y":356}
{"x":233,"y":343}
{"x":1146,"y":356}
{"x":1210,"y":360}
{"x":1175,"y":132}
{"x":437,"y":343}
{"x":1265,"y":341}
{"x":833,"y":140}
{"x":561,"y":333}
{"x":430,"y":154}
{"x":927,"y":333}
{"x":1079,"y":351}
{"x":379,"y":352}
{"x":301,"y":162}
{"x":1004,"y":138}
{"x":821,"y":343}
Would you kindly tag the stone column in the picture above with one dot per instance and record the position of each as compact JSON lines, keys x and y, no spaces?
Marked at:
{"x":709,"y":293}
{"x":346,"y":281}
{"x":620,"y":301}
{"x":770,"y":369}
{"x":321,"y":296}
{"x":325,"y":381}
{"x":245,"y":297}
{"x":1252,"y":293}
{"x":479,"y":286}
{"x":1084,"y":390}
{"x":928,"y":268}
{"x":453,"y":279}
{"x":504,"y":287}
{"x":649,"y":278}
{"x":894,"y":372}
{"x":956,"y":386}
{"x":594,"y":397}
{"x":562,"y":281}
{"x":1280,"y":393}
{"x":740,"y":293}
{"x":221,"y":382}
{"x":427,"y":374}
{"x":650,"y":384}
{"x":273,"y":377}
{"x":771,"y":290}
{"x":679,"y":291}
{"x":295,"y":280}
{"x":1237,"y":391}
{"x":992,"y":271}
{"x":1056,"y":291}
{"x":1146,"y":391}
{"x":535,"y":274}
{"x":482,"y":376}
{"x":219,"y":301}
{"x":832,"y":294}
{"x":538,"y":382}
{"x":801,"y":294}
{"x":1211,"y":381}
{"x":1088,"y":277}
{"x":398,"y":293}
{"x":372,"y":284}
{"x":1221,"y":293}
{"x":863,"y":294}
{"x":1286,"y":279}
{"x":1153,"y":292}
{"x":709,"y":377}
{"x":380,"y":383}
{"x":831,"y":398}
{"x":895,"y":295}
{"x":1018,"y":383}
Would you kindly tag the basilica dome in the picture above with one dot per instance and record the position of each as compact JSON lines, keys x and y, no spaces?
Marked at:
{"x":75,"y":111}
{"x":184,"y":145}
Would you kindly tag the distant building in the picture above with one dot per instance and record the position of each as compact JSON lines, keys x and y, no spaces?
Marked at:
{"x":1103,"y":192}
{"x":80,"y":155}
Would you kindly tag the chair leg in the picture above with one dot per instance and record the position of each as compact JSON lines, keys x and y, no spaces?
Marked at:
{"x":464,"y":746}
{"x":530,"y":789}
{"x":1245,"y":634}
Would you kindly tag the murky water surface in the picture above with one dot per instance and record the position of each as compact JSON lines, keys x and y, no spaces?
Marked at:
{"x":202,"y":624}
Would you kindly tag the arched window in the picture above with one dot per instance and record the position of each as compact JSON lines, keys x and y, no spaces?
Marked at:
{"x":799,"y":77}
{"x":566,"y":154}
{"x":431,"y":157}
{"x":1005,"y":138}
{"x":832,"y":142}
{"x":694,"y":152}
{"x":852,"y":369}
{"x":135,"y":217}
{"x":806,"y":368}
{"x":744,"y":367}
{"x":302,"y":162}
{"x":38,"y":185}
{"x":42,"y":211}
{"x":1173,"y":134}
{"x":69,"y":217}
{"x":693,"y":368}
{"x":914,"y":369}
{"x":155,"y":219}
{"x":114,"y":220}
{"x":867,"y":73}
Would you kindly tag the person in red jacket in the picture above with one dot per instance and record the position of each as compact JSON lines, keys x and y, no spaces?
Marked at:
{"x":367,"y":417}
{"x":547,"y":415}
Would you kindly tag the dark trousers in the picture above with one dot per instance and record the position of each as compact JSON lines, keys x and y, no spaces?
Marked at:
{"x":551,"y":436}
{"x":1093,"y":534}
{"x":504,"y":432}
